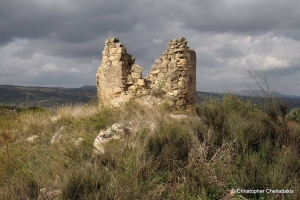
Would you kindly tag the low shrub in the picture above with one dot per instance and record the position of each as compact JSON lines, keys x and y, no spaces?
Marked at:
{"x":294,"y":115}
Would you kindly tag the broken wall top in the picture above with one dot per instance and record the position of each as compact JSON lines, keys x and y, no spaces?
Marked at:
{"x":174,"y":73}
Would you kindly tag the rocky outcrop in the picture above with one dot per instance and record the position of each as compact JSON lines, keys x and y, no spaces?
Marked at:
{"x":32,"y":138}
{"x":112,"y":133}
{"x":48,"y":194}
{"x":58,"y":135}
{"x":173,"y":74}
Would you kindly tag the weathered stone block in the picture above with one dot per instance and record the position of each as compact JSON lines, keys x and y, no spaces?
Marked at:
{"x":158,"y":61}
{"x":155,"y":71}
{"x":115,"y":57}
{"x":120,"y":50}
{"x":136,"y":75}
{"x":141,"y":82}
{"x":163,"y":70}
{"x":136,"y":68}
{"x":175,"y":92}
{"x":133,"y":87}
{"x":161,"y":75}
{"x":118,"y":90}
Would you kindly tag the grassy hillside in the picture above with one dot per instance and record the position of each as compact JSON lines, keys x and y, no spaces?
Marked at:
{"x":222,"y":144}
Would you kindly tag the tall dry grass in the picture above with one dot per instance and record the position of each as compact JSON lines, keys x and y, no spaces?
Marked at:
{"x":223,"y":144}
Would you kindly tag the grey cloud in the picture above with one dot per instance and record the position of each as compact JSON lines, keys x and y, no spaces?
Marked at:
{"x":87,"y":50}
{"x":77,"y":21}
{"x":24,"y":53}
{"x":59,"y":79}
{"x":27,"y":19}
{"x":230,"y":51}
{"x":82,"y":21}
{"x":283,"y":72}
{"x":72,"y":34}
{"x":206,"y":60}
{"x":242,"y":16}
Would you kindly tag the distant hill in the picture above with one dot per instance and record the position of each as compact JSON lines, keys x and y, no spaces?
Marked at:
{"x":45,"y":96}
{"x":56,"y":96}
{"x":258,"y":93}
{"x":292,"y":96}
{"x":293,"y":101}
{"x":90,"y":88}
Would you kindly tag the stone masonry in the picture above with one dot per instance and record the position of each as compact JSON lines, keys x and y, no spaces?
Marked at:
{"x":173,"y":74}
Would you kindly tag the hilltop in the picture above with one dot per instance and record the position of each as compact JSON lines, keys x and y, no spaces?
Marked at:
{"x":139,"y":152}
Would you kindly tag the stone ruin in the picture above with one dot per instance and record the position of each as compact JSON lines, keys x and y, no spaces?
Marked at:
{"x":173,"y":75}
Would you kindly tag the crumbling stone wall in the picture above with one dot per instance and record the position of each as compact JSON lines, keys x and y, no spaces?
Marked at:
{"x":118,"y":74}
{"x":173,"y":74}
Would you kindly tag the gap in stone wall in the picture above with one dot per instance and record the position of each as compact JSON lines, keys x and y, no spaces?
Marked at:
{"x":173,"y":74}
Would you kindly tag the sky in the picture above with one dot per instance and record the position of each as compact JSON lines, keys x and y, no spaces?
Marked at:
{"x":59,"y":43}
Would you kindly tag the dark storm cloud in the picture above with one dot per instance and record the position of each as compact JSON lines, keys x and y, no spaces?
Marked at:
{"x":72,"y":28}
{"x":82,"y":21}
{"x":64,"y":36}
{"x":27,"y":19}
{"x":253,"y":16}
{"x":68,"y":21}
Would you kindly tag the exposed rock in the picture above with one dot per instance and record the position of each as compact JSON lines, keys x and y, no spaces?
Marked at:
{"x":112,"y":133}
{"x":54,"y":119}
{"x":106,"y":134}
{"x":117,"y":127}
{"x":115,"y":137}
{"x":178,"y":116}
{"x":49,"y":194}
{"x":100,"y":141}
{"x":32,"y":138}
{"x":98,"y":144}
{"x":151,"y":125}
{"x":58,"y":135}
{"x":78,"y":141}
{"x":119,"y":78}
{"x":56,"y":138}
